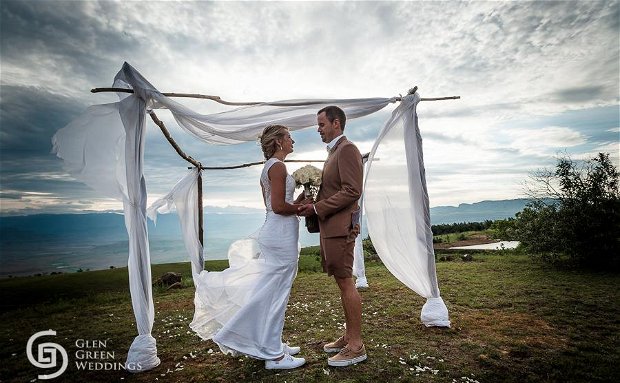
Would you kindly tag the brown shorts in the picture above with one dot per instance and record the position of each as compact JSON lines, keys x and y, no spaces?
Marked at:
{"x":337,"y":254}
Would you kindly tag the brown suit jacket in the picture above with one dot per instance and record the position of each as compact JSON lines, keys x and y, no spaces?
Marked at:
{"x":341,"y":188}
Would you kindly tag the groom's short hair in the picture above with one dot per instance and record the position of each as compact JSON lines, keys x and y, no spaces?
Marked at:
{"x":333,"y":112}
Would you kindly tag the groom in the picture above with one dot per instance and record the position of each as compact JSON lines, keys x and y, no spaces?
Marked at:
{"x":338,"y":214}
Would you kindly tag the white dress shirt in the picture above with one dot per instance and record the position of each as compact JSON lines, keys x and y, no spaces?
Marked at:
{"x":333,"y":142}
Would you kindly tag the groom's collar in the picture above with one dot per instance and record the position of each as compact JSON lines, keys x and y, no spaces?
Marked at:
{"x":333,"y":143}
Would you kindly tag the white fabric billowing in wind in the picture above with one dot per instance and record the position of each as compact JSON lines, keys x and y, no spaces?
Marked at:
{"x":142,"y":354}
{"x":245,"y":123}
{"x":183,"y":198}
{"x":397,"y":209}
{"x":93,"y":150}
{"x":104,"y":148}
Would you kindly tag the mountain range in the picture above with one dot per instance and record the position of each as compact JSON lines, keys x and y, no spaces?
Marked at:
{"x":110,"y":226}
{"x":478,"y":211}
{"x":68,"y":242}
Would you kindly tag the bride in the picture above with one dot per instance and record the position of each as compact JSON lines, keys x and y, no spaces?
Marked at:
{"x":242,"y":308}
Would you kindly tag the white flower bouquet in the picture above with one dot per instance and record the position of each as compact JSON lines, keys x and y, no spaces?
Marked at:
{"x":310,"y":178}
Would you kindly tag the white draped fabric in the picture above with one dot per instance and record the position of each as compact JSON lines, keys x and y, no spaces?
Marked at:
{"x":142,"y":353}
{"x":104,"y":148}
{"x":359,"y":269}
{"x":184,"y":199}
{"x":397,"y":209}
{"x":246,"y":123}
{"x":93,"y":149}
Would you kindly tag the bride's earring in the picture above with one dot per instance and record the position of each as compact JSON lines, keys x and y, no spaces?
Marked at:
{"x":280,"y":147}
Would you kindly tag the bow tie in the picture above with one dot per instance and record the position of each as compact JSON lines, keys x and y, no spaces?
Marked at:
{"x":328,"y":149}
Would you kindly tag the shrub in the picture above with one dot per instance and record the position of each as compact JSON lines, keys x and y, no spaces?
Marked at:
{"x":584,"y":223}
{"x":504,"y":229}
{"x":460,"y":227}
{"x":370,"y":254}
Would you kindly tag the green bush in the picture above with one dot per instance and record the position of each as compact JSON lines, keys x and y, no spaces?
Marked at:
{"x":584,"y":223}
{"x":370,"y":253}
{"x":504,"y":229}
{"x":460,"y":227}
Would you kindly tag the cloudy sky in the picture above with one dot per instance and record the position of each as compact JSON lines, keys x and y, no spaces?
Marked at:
{"x":536,"y":80}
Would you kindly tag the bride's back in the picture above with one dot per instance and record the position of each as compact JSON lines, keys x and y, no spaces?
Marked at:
{"x":266,"y":185}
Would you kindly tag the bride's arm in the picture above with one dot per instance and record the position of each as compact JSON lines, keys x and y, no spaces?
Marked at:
{"x":277,"y":177}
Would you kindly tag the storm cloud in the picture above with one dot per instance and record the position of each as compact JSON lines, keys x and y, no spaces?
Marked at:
{"x":527,"y":73}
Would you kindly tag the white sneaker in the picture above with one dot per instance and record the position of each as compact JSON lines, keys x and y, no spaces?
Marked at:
{"x":291,"y":350}
{"x":286,"y":363}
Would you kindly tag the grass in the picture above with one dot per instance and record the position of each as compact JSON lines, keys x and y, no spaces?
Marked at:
{"x":513,"y":320}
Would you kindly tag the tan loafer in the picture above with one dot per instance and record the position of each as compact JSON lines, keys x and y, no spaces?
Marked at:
{"x":347,"y":357}
{"x":336,"y":345}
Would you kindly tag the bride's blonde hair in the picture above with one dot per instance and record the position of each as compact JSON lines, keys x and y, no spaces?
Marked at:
{"x":268,"y":139}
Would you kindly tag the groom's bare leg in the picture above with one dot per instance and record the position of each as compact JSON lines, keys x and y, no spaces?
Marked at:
{"x":352,"y":305}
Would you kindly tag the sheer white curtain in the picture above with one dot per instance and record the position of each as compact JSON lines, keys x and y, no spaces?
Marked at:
{"x":93,"y":150}
{"x":143,"y":351}
{"x":397,"y":209}
{"x":183,"y":198}
{"x":245,"y":123}
{"x":359,"y":268}
{"x":104,"y":148}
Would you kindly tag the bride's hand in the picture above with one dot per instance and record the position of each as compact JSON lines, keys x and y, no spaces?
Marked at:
{"x":306,"y":210}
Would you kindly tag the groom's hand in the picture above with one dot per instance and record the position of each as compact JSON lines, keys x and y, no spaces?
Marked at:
{"x":306,"y":210}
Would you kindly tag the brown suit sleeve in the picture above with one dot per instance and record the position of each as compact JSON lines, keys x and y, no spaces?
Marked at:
{"x":351,"y":172}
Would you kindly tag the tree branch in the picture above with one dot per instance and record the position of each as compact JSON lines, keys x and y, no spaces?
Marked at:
{"x":219,"y":99}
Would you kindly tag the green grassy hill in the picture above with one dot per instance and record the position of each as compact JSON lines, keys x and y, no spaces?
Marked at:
{"x":513,"y":320}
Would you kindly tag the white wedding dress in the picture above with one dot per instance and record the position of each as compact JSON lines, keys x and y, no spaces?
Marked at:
{"x":242,"y":308}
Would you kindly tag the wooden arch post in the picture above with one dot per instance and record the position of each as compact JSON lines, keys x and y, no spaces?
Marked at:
{"x":197,"y":165}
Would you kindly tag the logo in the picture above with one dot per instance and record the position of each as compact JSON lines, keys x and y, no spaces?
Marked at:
{"x":47,"y":355}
